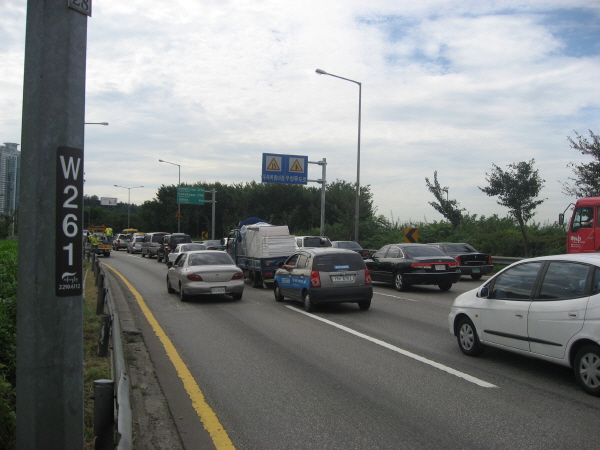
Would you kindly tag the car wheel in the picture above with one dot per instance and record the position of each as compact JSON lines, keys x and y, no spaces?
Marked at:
{"x":158,"y":258}
{"x":236,"y":295}
{"x":587,"y":369}
{"x":128,"y":250}
{"x":170,"y":289}
{"x":143,"y":255}
{"x":364,"y":305}
{"x":445,"y":286}
{"x":309,"y":306}
{"x":468,"y":341}
{"x":399,"y":282}
{"x":277,"y":293}
{"x":182,"y":295}
{"x":476,"y":276}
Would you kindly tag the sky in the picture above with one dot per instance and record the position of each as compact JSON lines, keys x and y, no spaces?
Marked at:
{"x":453,"y":86}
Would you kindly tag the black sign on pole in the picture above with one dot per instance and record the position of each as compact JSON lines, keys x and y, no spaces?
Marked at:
{"x":69,"y":211}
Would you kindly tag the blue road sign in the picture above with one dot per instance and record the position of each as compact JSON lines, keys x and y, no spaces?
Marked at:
{"x":285,"y":169}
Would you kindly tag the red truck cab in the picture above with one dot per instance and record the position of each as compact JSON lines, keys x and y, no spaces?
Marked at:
{"x":583,"y":235}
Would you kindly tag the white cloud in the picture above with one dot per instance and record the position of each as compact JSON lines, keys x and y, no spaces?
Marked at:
{"x":452,"y":86}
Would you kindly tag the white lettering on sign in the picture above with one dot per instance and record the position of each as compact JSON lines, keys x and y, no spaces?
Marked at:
{"x":69,"y":216}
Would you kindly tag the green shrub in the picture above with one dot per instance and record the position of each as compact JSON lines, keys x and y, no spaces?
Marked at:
{"x":8,"y":341}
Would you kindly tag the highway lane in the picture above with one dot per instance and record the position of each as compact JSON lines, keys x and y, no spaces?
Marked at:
{"x":391,"y":377}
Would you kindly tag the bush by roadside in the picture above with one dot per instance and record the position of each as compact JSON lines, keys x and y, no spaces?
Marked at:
{"x":8,"y":342}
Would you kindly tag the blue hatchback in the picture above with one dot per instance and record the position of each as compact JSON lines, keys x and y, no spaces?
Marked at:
{"x":324,"y":275}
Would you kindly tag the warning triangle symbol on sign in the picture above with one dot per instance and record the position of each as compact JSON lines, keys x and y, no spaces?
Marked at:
{"x":273,"y":165}
{"x":296,"y":167}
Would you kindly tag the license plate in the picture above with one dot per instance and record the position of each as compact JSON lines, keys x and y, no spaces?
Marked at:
{"x":476,"y":270}
{"x":338,"y":278}
{"x":217,"y":290}
{"x":440,"y":267}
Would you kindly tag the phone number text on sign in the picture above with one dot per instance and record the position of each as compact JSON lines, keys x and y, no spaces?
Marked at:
{"x":69,"y":216}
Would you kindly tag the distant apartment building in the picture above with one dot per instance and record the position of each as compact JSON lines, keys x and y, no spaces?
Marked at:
{"x":10,"y":171}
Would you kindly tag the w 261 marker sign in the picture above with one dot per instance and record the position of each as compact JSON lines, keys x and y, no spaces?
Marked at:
{"x":69,"y":215}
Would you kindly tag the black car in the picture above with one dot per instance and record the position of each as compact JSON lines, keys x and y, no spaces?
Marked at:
{"x":168,"y":243}
{"x":353,"y":245}
{"x":471,"y":262}
{"x":407,"y":264}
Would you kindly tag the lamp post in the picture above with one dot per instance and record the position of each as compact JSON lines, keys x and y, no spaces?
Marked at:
{"x":97,"y":123}
{"x":357,"y":208}
{"x":178,"y":204}
{"x":128,"y":199}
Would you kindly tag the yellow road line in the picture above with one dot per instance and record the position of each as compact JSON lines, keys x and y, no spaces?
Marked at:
{"x":207,"y":416}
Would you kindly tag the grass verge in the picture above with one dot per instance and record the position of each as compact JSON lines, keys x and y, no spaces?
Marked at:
{"x":94,"y":367}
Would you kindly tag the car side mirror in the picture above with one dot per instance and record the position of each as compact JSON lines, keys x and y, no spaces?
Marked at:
{"x":170,"y":264}
{"x":561,"y":219}
{"x":280,"y":264}
{"x":483,"y":292}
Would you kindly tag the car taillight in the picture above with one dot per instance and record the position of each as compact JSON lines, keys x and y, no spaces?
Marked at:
{"x":453,"y":264}
{"x":194,"y":277}
{"x":457,"y":259}
{"x":315,"y":279}
{"x":490,"y":260}
{"x":367,"y":276}
{"x":237,"y":276}
{"x":421,"y":265}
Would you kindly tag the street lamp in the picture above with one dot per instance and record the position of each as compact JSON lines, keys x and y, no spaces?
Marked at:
{"x":96,"y":123}
{"x":178,"y":204}
{"x":128,"y":199}
{"x":357,"y":210}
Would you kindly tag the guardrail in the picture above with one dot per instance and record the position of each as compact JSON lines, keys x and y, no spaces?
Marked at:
{"x":112,"y":404}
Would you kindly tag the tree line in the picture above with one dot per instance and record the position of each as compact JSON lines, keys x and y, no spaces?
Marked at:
{"x":516,"y":187}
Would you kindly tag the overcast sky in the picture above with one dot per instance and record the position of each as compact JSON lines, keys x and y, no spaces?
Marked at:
{"x":452,"y":86}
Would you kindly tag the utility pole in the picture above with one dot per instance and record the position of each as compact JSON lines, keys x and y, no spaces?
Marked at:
{"x":50,"y":284}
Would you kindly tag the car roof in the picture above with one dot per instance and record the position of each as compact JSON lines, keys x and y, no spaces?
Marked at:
{"x":321,"y":250}
{"x":412,"y":244}
{"x":590,"y":258}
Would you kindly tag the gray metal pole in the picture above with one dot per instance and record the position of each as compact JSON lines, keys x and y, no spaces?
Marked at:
{"x":50,"y":309}
{"x":323,"y":187}
{"x":357,"y":209}
{"x":214,"y":202}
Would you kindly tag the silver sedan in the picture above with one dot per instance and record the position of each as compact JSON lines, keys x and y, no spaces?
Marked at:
{"x":187,"y":247}
{"x":205,"y":272}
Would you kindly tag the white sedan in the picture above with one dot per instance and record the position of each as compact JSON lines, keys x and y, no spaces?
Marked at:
{"x":205,"y":272}
{"x":547,"y":308}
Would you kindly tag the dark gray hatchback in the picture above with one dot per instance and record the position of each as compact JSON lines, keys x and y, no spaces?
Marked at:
{"x":324,"y":275}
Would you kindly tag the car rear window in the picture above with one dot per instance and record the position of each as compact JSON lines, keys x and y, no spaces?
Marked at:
{"x":316,"y":242}
{"x":350,"y":245}
{"x":338,"y":261}
{"x":460,"y":248}
{"x":203,"y":259}
{"x":179,"y":239}
{"x":157,"y":237}
{"x":415,"y":252}
{"x":192,"y":247}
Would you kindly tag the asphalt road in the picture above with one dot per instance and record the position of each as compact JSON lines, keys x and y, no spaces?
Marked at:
{"x":391,"y":377}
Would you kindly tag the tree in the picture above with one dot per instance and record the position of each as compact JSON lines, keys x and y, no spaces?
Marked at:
{"x":447,"y":208}
{"x":587,"y":176}
{"x":516,"y":189}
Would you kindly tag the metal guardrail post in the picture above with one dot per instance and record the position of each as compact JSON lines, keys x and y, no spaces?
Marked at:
{"x":104,"y":335}
{"x":101,"y":294}
{"x":104,"y":419}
